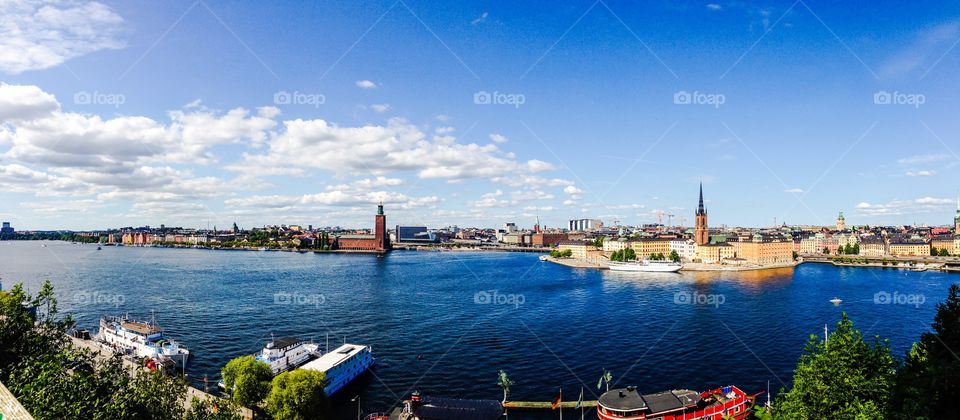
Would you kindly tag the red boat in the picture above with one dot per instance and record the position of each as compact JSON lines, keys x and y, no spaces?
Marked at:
{"x":628,"y":404}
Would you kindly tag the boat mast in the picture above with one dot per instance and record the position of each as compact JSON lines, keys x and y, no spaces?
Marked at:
{"x":826,"y":338}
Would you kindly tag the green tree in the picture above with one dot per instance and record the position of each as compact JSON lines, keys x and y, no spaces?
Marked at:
{"x":599,"y":242}
{"x":928,"y":383}
{"x":674,"y":256}
{"x":209,"y":409}
{"x":842,"y":378}
{"x":247,"y":380}
{"x":629,"y":254}
{"x":504,"y":383}
{"x":826,"y":250}
{"x":856,"y":249}
{"x":298,"y":395}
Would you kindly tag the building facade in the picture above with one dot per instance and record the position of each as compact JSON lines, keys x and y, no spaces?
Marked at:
{"x":647,"y":247}
{"x":378,"y":242}
{"x":909,"y":247}
{"x":701,"y":232}
{"x":685,"y":248}
{"x":764,"y":250}
{"x":577,"y":249}
{"x":6,"y":229}
{"x":873,"y":247}
{"x":841,"y":223}
{"x":580,"y":225}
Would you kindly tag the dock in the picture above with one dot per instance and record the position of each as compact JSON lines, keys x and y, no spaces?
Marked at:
{"x":546,"y":405}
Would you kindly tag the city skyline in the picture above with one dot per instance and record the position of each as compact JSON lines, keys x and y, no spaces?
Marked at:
{"x":191,"y":113}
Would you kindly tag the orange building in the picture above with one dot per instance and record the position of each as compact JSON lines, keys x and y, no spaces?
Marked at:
{"x":378,"y":242}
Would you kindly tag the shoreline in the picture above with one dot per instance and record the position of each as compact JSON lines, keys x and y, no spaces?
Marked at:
{"x":688,"y":267}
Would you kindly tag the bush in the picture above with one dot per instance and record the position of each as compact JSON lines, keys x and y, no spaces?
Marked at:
{"x":247,"y":380}
{"x":298,"y":394}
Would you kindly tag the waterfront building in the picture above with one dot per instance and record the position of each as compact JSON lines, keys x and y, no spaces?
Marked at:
{"x":413,"y":234}
{"x":841,"y":223}
{"x":947,"y":242}
{"x":812,"y":244}
{"x":578,"y":249}
{"x":844,"y":239}
{"x":715,"y":253}
{"x":909,"y":247}
{"x":701,"y":230}
{"x":613,"y":245}
{"x":6,"y":229}
{"x":686,"y":248}
{"x":873,"y":246}
{"x":764,"y":250}
{"x":542,"y":239}
{"x":378,"y":242}
{"x":650,"y":246}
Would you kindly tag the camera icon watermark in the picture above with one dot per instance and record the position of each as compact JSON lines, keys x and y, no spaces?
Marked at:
{"x":99,"y":98}
{"x":299,"y":98}
{"x":683,"y":97}
{"x":494,"y":297}
{"x":899,"y":98}
{"x":897,"y":298}
{"x":687,"y":298}
{"x":483,"y":97}
{"x":297,"y":298}
{"x":97,"y":297}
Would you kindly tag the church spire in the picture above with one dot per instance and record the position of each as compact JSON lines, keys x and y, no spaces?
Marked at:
{"x":700,"y":209}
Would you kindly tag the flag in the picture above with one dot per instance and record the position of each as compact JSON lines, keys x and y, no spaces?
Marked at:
{"x":556,"y":402}
{"x":580,"y":400}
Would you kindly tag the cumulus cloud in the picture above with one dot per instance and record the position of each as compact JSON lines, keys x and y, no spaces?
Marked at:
{"x":714,"y":7}
{"x":498,"y":138}
{"x":18,"y":102}
{"x":905,"y":207}
{"x":366,"y":84}
{"x":357,"y":193}
{"x":36,"y":35}
{"x":921,"y":173}
{"x":480,"y":19}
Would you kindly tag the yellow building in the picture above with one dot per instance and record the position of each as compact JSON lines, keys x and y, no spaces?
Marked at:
{"x":613,"y":245}
{"x":648,"y":247}
{"x":761,"y":250}
{"x":715,"y":253}
{"x":812,"y":245}
{"x":907,"y":247}
{"x":577,"y":249}
{"x":948,"y":242}
{"x":873,"y":247}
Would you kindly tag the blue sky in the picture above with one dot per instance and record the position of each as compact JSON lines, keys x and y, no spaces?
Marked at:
{"x":476,"y":114}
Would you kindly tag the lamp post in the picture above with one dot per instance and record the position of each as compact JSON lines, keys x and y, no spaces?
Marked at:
{"x":357,"y":399}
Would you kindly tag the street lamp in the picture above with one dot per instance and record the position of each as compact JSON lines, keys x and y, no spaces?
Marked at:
{"x":357,"y":399}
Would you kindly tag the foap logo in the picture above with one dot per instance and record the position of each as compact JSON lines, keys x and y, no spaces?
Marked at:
{"x":699,"y":98}
{"x":299,"y":98}
{"x":97,"y":297}
{"x":899,"y":98}
{"x":499,"y":98}
{"x":99,"y":98}
{"x":297,"y":298}
{"x":687,"y":298}
{"x":897,"y":298}
{"x":494,"y":297}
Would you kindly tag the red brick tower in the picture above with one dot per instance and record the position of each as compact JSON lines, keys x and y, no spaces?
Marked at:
{"x":701,"y":233}
{"x":380,"y":229}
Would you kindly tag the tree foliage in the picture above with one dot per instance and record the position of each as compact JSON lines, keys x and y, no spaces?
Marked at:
{"x":206,"y":409}
{"x":842,"y":378}
{"x":247,"y":380}
{"x":626,"y":254}
{"x":298,"y":395}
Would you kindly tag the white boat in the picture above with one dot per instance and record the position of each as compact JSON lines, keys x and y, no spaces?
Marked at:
{"x":286,"y":353}
{"x":836,"y":301}
{"x":342,"y":365}
{"x":646,"y":266}
{"x":543,"y":258}
{"x":141,"y":339}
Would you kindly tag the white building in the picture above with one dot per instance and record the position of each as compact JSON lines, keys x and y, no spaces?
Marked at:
{"x":686,"y":248}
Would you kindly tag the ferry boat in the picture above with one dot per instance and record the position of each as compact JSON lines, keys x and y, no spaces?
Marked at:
{"x":628,"y":404}
{"x":430,"y":408}
{"x":342,"y":365}
{"x":646,"y":266}
{"x":142,"y":339}
{"x":286,"y":353}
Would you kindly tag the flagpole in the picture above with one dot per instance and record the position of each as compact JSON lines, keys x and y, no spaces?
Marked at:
{"x":561,"y":403}
{"x":581,"y":402}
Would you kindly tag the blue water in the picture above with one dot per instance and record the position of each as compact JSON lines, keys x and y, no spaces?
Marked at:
{"x":550,"y":326}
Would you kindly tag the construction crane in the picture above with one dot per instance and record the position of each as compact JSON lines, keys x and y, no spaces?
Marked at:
{"x":670,"y":219}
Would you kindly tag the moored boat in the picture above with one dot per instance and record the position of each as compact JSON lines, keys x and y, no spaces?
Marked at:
{"x":286,"y":353}
{"x":646,"y":266}
{"x":342,"y":365}
{"x":142,"y":339}
{"x":629,"y":404}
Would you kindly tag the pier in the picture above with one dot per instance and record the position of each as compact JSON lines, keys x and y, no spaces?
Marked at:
{"x":547,"y":405}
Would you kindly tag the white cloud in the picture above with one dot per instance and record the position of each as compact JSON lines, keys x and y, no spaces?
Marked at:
{"x":921,"y":52}
{"x":25,"y":102}
{"x":36,"y":35}
{"x":381,"y":108}
{"x":793,"y":190}
{"x":905,"y":207}
{"x":714,"y":7}
{"x":498,"y":138}
{"x":921,"y":173}
{"x":570,"y":189}
{"x":922,"y":159}
{"x":480,"y":19}
{"x":366,"y":84}
{"x":358,"y":193}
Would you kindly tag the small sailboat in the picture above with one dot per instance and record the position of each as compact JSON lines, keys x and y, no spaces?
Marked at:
{"x":836,"y":301}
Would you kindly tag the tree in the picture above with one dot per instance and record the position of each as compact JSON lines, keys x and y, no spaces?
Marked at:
{"x":944,"y":252}
{"x":826,"y":250}
{"x":842,"y":378}
{"x":504,"y":383}
{"x":298,"y":394}
{"x":247,"y":380}
{"x":674,"y":256}
{"x":211,"y":409}
{"x":928,"y":383}
{"x":795,"y":255}
{"x":856,"y":249}
{"x":605,"y":378}
{"x":599,"y":242}
{"x":934,"y":251}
